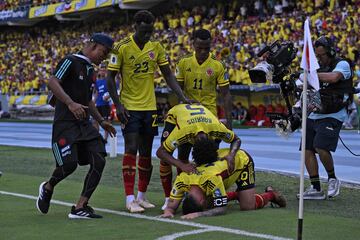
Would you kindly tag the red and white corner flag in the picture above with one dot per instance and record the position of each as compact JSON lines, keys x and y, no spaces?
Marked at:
{"x":308,"y":61}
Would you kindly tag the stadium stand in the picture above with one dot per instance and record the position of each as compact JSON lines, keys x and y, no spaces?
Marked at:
{"x":239,"y":29}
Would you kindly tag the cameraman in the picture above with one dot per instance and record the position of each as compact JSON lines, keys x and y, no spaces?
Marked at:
{"x":323,"y":127}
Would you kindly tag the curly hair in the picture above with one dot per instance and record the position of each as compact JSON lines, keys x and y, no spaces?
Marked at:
{"x":204,"y":151}
{"x":144,"y":16}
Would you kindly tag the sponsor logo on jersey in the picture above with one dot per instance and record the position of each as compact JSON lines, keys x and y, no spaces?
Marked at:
{"x":209,"y":72}
{"x":132,"y":58}
{"x":188,"y":70}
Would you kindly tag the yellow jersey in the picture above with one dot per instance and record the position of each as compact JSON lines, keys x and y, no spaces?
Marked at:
{"x":189,"y":120}
{"x":213,"y":178}
{"x":220,"y":168}
{"x":211,"y":185}
{"x":137,"y":68}
{"x":200,"y":81}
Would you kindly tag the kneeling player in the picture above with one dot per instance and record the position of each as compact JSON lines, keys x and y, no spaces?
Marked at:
{"x":205,"y":193}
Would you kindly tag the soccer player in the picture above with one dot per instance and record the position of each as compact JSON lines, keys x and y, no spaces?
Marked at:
{"x":136,"y":60}
{"x":199,"y":74}
{"x":207,"y":189}
{"x":74,"y":139}
{"x":183,"y":123}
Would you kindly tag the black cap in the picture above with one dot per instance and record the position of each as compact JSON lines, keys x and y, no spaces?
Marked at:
{"x":102,"y":39}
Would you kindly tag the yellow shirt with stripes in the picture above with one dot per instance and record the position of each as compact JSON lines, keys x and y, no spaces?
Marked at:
{"x":200,"y":81}
{"x":189,"y":120}
{"x":220,"y":167}
{"x":211,"y":185}
{"x":212,"y":178}
{"x":137,"y":68}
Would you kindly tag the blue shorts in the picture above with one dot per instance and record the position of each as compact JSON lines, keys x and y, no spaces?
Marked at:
{"x":322,"y":133}
{"x":142,"y":122}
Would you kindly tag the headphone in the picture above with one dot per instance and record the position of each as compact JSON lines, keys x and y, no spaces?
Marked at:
{"x":327,"y":44}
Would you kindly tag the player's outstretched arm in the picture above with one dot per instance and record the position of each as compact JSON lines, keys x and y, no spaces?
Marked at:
{"x":208,"y":213}
{"x":171,"y":208}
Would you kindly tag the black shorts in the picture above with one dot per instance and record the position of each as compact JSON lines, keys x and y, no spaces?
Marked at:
{"x":74,"y":141}
{"x":143,"y":122}
{"x":246,"y":178}
{"x":322,"y":133}
{"x":79,"y":152}
{"x":104,"y":111}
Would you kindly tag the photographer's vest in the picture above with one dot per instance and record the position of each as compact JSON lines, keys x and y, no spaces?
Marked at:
{"x":332,"y":94}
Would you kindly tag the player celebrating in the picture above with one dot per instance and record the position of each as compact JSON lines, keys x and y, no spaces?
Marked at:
{"x":183,"y":123}
{"x":136,"y":60}
{"x":211,"y":181}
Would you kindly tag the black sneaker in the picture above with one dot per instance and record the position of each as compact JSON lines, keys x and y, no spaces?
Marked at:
{"x":83,"y":213}
{"x":43,"y":201}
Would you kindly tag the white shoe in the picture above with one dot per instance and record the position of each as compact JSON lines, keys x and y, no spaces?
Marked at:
{"x":134,"y":207}
{"x":145,"y":203}
{"x":165,"y":204}
{"x":312,"y":194}
{"x":333,"y":187}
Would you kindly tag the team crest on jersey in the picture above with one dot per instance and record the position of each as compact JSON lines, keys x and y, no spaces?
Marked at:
{"x":209,"y":72}
{"x":62,"y":142}
{"x":151,"y":55}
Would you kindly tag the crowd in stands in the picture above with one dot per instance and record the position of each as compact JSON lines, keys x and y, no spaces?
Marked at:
{"x":21,"y":4}
{"x":239,"y":29}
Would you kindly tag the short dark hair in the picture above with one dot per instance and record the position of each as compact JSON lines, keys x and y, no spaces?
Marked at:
{"x":204,"y":151}
{"x":144,"y":16}
{"x":190,"y":205}
{"x":202,"y":34}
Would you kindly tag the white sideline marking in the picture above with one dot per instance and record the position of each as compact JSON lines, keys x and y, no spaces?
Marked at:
{"x":182,"y":234}
{"x":185,"y":223}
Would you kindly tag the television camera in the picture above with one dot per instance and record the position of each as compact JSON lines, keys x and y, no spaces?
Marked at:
{"x":276,"y":69}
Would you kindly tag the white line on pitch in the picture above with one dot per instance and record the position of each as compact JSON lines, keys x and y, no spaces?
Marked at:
{"x":140,"y":216}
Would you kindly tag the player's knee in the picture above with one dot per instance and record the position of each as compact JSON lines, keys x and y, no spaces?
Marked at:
{"x":99,"y":162}
{"x":69,"y":167}
{"x":247,"y":206}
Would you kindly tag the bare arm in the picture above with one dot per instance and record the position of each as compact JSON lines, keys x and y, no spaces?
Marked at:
{"x":330,"y":77}
{"x":94,"y":112}
{"x":171,"y":208}
{"x":234,"y":147}
{"x":164,"y":155}
{"x":172,"y":82}
{"x":111,"y":86}
{"x":208,"y":213}
{"x":77,"y":109}
{"x":121,"y":112}
{"x":225,"y":93}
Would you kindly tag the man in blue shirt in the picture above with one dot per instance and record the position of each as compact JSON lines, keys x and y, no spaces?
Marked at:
{"x":323,"y":127}
{"x":102,"y":97}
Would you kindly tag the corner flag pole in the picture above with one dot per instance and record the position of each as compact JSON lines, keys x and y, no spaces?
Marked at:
{"x":303,"y":142}
{"x":310,"y":66}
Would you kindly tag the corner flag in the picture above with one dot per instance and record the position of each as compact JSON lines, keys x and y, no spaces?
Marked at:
{"x":308,"y":60}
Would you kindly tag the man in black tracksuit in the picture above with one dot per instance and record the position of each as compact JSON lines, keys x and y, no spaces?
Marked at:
{"x":74,"y":139}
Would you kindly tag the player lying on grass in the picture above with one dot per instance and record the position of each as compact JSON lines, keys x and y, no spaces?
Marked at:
{"x":204,"y":193}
